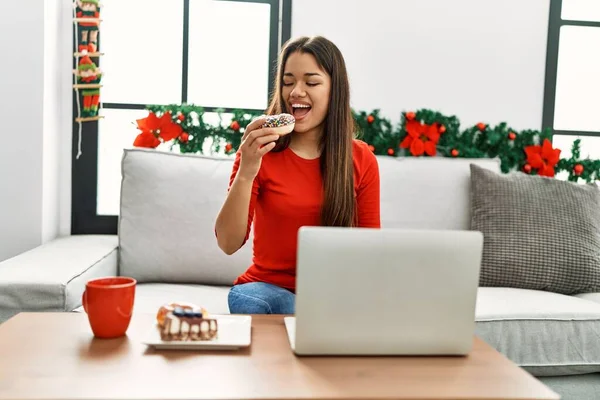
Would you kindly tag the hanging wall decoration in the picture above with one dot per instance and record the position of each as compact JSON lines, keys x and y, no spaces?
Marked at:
{"x":88,"y":15}
{"x":419,"y":133}
{"x":87,"y":74}
{"x":88,"y":77}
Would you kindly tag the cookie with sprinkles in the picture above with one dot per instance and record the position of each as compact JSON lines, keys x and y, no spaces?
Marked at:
{"x":282,"y":124}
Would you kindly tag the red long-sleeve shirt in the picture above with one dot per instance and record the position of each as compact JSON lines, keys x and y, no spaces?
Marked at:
{"x":286,"y":195}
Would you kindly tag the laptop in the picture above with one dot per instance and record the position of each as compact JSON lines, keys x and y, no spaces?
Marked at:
{"x":363,"y":291}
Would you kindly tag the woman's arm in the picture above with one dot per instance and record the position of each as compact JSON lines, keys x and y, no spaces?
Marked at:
{"x":368,"y":193}
{"x":235,"y":218}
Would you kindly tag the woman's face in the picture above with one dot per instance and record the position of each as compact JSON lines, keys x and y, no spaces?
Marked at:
{"x":305,"y":90}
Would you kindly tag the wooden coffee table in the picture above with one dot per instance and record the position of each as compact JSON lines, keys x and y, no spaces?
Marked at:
{"x":54,"y":356}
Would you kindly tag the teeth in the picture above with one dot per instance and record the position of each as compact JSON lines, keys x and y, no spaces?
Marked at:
{"x":300,"y":106}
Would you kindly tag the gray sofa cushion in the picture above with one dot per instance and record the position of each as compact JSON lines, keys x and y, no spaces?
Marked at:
{"x":169,"y":205}
{"x":545,"y":333}
{"x":150,"y":296}
{"x":574,"y":387}
{"x":52,"y":277}
{"x":428,"y":193}
{"x":589,"y":296}
{"x":539,"y":233}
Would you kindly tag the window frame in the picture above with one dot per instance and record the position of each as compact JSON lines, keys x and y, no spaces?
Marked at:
{"x":84,"y":170}
{"x":555,"y":23}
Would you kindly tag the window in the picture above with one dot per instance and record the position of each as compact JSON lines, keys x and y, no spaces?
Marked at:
{"x":571,"y":101}
{"x":218,"y":54}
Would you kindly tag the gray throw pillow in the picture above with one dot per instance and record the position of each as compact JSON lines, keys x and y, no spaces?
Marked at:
{"x":539,"y":233}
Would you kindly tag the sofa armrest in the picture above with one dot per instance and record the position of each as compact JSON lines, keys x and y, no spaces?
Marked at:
{"x":52,"y":277}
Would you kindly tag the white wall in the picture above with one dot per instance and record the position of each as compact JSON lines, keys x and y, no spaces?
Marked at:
{"x":21,"y":87}
{"x":51,"y":121}
{"x":64,"y":48}
{"x":478,"y":60}
{"x":31,"y":113}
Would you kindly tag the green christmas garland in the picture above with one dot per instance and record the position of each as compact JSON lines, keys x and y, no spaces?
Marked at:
{"x":419,"y":133}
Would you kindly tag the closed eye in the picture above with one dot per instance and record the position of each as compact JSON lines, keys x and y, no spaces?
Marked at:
{"x":310,"y":84}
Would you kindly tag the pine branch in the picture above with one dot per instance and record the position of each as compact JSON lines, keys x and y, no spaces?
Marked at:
{"x":479,"y":141}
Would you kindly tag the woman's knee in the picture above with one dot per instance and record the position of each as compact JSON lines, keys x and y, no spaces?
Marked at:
{"x":244,"y":301}
{"x":260,"y":298}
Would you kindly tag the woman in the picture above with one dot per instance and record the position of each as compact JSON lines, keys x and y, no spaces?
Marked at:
{"x":317,"y":175}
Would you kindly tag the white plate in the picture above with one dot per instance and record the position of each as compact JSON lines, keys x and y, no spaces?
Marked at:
{"x":233,"y":333}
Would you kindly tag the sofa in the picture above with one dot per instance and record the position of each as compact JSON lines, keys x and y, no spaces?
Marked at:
{"x":166,"y":241}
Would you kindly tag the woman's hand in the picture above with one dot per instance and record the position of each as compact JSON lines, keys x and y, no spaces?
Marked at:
{"x":256,"y":142}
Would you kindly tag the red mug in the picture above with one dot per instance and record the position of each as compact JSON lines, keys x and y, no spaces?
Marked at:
{"x":108,"y":303}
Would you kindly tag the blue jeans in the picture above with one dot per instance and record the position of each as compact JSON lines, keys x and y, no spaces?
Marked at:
{"x":261,"y":298}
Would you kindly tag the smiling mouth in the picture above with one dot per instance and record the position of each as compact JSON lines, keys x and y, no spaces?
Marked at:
{"x":299,"y":111}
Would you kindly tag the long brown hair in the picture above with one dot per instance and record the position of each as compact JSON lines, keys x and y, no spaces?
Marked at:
{"x":339,"y":208}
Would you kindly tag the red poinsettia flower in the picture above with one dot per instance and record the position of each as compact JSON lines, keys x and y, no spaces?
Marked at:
{"x":161,"y":128}
{"x":543,"y":158}
{"x":146,"y":139}
{"x":421,"y":138}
